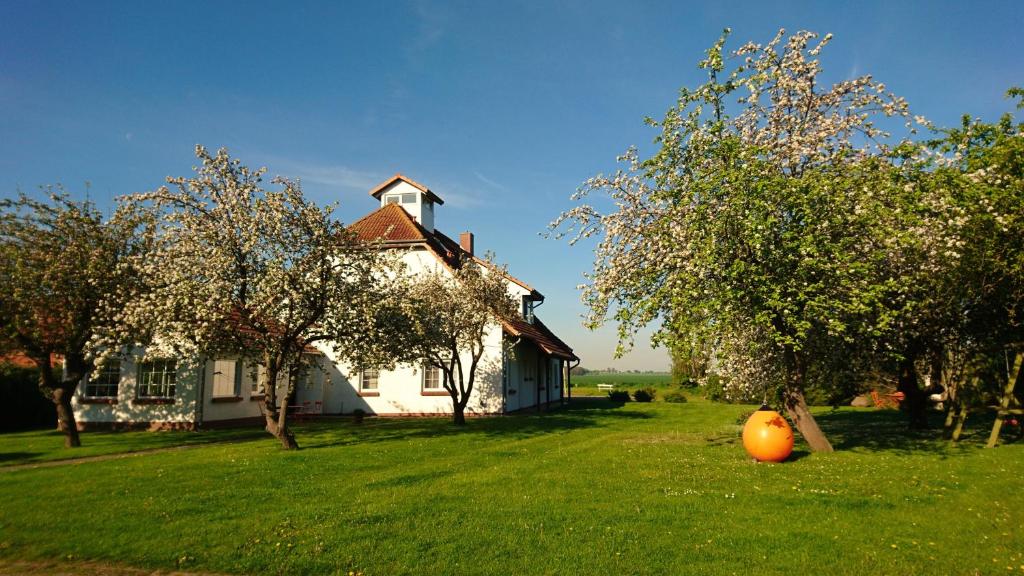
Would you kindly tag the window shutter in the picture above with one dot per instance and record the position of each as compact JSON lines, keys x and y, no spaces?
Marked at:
{"x":224,"y":378}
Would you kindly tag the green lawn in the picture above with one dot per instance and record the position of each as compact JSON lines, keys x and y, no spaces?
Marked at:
{"x":597,"y":489}
{"x":47,"y":445}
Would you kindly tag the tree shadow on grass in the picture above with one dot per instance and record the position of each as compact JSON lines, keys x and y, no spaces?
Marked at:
{"x":18,"y":456}
{"x":798,"y":454}
{"x":578,"y":414}
{"x":888,"y":430}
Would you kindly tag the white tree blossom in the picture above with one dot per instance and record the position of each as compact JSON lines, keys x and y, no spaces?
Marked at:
{"x":64,"y":270}
{"x":261,"y":273}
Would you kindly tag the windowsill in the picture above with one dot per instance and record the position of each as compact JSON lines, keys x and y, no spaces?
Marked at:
{"x":368,"y":393}
{"x":87,"y":400}
{"x":219,"y":399}
{"x":153,"y":401}
{"x":434,"y":393}
{"x":257,"y":397}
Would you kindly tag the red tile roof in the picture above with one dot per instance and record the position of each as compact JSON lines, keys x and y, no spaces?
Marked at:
{"x":393,"y":226}
{"x":379,"y":189}
{"x":390,"y":223}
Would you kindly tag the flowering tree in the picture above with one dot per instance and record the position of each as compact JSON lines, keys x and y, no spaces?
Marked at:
{"x":261,"y":273}
{"x":451,"y":314}
{"x":63,"y":273}
{"x":978,"y":174}
{"x":754,"y":225}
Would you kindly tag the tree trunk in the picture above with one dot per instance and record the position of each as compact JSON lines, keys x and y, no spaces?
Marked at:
{"x":66,"y":416}
{"x":284,"y":434}
{"x":796,"y":408}
{"x":61,"y":390}
{"x":796,"y":405}
{"x":276,"y":419}
{"x":961,"y":417}
{"x":1012,"y":379}
{"x":915,"y":402}
{"x":275,"y":414}
{"x":459,"y":415}
{"x":947,"y":426}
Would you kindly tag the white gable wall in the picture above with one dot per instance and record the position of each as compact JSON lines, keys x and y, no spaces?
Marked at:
{"x":400,"y":391}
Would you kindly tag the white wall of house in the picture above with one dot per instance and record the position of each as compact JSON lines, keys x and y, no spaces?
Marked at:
{"x":226,"y":384}
{"x":400,"y":390}
{"x":127,"y":406}
{"x":229,"y":391}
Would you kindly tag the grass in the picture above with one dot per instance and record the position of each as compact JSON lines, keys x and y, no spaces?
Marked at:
{"x":40,"y":446}
{"x":596,"y":489}
{"x":586,"y":385}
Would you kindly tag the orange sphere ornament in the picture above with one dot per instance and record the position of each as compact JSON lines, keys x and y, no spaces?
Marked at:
{"x":767,"y":436}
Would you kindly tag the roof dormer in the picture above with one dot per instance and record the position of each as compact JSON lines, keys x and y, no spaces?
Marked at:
{"x":414,"y":197}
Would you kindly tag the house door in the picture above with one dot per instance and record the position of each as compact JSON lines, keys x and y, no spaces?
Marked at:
{"x":509,"y":386}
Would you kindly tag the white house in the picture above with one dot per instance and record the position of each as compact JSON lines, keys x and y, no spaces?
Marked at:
{"x":522,"y":367}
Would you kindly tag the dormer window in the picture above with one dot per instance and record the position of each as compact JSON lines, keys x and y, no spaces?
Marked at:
{"x":417,"y":200}
{"x":528,"y":309}
{"x":406,"y":199}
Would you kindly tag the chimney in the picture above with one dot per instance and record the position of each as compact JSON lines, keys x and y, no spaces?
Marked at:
{"x":466,"y":242}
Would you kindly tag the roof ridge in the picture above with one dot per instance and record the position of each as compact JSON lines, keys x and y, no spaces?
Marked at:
{"x":379,"y":188}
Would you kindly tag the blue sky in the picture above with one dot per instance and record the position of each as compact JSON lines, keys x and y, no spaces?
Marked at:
{"x":502,"y":108}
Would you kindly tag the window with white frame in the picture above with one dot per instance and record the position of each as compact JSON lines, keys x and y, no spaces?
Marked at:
{"x":227,"y":378}
{"x":157,"y":379}
{"x":406,"y":198}
{"x":432,"y":377}
{"x":104,"y":385}
{"x":368,"y":379}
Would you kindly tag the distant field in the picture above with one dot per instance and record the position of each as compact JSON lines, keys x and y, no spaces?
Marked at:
{"x":586,"y":385}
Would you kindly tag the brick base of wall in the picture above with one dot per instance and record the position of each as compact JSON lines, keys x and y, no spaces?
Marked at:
{"x":127,"y":426}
